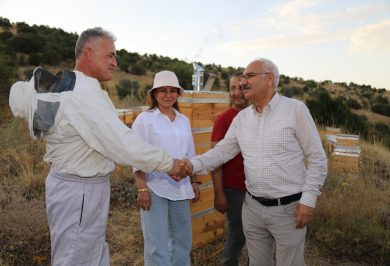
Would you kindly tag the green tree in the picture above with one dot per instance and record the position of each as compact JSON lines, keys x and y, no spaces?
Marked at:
{"x":51,"y":57}
{"x":183,"y":72}
{"x":124,"y":66}
{"x":352,"y":103}
{"x":35,"y":59}
{"x":124,"y":88}
{"x":4,"y":23}
{"x":138,"y":70}
{"x":8,"y":72}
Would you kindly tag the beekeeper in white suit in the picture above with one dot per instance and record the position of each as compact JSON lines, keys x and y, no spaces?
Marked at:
{"x":84,"y":139}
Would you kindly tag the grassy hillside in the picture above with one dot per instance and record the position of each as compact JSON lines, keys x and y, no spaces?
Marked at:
{"x":352,"y":219}
{"x":359,"y":109}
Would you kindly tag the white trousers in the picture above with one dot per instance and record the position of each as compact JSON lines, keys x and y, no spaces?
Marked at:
{"x":77,"y":213}
{"x":265,"y":226}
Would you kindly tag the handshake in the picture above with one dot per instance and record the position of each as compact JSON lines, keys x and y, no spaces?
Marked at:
{"x":180,"y":169}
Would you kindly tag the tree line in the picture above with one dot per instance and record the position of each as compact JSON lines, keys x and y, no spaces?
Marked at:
{"x":42,"y":45}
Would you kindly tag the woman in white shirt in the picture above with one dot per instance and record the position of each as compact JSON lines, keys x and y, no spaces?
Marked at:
{"x":164,"y":203}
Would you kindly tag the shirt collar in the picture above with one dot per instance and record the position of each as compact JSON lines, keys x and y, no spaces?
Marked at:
{"x":157,"y":111}
{"x":270,"y":105}
{"x":274,"y":101}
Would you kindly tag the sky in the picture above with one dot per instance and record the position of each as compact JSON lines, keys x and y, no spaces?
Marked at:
{"x":338,"y":40}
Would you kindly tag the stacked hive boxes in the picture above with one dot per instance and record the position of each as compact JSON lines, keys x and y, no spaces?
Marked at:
{"x":127,"y":116}
{"x":345,"y":150}
{"x":202,"y":107}
{"x":331,"y":134}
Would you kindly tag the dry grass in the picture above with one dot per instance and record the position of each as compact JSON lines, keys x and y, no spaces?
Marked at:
{"x":372,"y":116}
{"x":351,"y":228}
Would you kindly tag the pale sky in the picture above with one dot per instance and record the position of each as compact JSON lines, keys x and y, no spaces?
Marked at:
{"x":338,"y":40}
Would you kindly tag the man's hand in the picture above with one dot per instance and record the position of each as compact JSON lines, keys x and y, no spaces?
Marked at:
{"x":195,"y":187}
{"x":303,"y":215}
{"x":177,"y":172}
{"x":220,"y":202}
{"x":186,"y":165}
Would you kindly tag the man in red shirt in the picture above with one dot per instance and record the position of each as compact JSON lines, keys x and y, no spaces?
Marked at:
{"x":229,"y":180}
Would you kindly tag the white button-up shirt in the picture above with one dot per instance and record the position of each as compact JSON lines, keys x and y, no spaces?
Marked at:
{"x":276,"y":144}
{"x":174,"y":137}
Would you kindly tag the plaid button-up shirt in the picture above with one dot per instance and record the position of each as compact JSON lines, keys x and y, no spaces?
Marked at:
{"x":282,"y":151}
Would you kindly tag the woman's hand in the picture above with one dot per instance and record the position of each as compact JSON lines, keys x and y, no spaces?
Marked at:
{"x":144,"y":200}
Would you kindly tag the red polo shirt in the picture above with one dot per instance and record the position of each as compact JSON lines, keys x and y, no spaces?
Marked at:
{"x":233,"y":170}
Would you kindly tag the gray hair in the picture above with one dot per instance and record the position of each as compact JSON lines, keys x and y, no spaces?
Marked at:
{"x":90,"y":34}
{"x":270,"y":66}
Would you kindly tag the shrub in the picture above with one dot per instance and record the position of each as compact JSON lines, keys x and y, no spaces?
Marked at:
{"x":380,"y":108}
{"x":124,"y":66}
{"x":8,"y":72}
{"x":124,"y":88}
{"x":352,"y":103}
{"x":138,"y":70}
{"x":35,"y":59}
{"x":5,"y":23}
{"x":5,"y":35}
{"x":51,"y":57}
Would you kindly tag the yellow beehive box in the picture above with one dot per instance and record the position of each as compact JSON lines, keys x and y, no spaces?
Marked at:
{"x":126,"y":116}
{"x":202,"y":139}
{"x":345,"y":162}
{"x":332,"y":130}
{"x":203,"y":107}
{"x":345,"y":158}
{"x":347,"y":140}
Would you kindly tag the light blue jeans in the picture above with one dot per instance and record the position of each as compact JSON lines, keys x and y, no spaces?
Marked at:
{"x":167,"y":232}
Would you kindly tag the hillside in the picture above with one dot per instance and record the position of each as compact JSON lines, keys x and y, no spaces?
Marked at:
{"x":352,"y":215}
{"x":359,"y":109}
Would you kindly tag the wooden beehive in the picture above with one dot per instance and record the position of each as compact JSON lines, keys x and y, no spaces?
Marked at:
{"x":345,"y":158}
{"x":331,"y":137}
{"x":202,"y":108}
{"x":127,"y":116}
{"x":347,"y":140}
{"x":332,"y":130}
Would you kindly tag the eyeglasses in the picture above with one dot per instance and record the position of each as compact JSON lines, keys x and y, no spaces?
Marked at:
{"x":250,"y":75}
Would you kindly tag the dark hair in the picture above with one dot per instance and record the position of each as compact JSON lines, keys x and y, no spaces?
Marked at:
{"x":153,"y":102}
{"x":235,"y":75}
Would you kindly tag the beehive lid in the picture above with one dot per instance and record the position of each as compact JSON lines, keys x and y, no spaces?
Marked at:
{"x":347,"y":149}
{"x":124,"y":111}
{"x":347,"y":136}
{"x":204,"y":97}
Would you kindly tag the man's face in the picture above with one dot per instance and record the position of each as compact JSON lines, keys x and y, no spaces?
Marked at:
{"x":255,"y":81}
{"x":236,"y":94}
{"x":102,"y":58}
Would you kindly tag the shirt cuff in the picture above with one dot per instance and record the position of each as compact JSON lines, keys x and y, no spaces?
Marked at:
{"x":308,"y":199}
{"x":196,"y":167}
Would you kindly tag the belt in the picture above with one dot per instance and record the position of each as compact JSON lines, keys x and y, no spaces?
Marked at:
{"x":276,"y":202}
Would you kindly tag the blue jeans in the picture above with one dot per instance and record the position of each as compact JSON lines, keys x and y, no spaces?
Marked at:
{"x":167,"y":232}
{"x":235,"y":238}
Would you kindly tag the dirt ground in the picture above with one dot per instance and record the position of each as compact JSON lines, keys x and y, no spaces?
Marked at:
{"x":126,"y":245}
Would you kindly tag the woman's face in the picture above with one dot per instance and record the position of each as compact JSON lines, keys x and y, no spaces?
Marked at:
{"x":166,"y":96}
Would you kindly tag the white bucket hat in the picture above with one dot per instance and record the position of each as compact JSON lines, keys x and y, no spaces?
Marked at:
{"x":166,"y":78}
